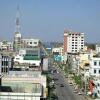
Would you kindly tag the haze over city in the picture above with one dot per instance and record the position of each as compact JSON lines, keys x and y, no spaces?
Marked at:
{"x":47,"y":19}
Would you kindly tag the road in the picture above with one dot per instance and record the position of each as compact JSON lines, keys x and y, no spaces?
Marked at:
{"x":65,"y":92}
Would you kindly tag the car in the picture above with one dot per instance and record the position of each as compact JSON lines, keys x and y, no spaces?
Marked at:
{"x":55,"y":79}
{"x":57,"y":72}
{"x":75,"y":91}
{"x":79,"y":93}
{"x":70,"y":84}
{"x":61,"y":85}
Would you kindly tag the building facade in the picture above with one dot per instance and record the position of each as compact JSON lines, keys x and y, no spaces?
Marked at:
{"x":95,"y":67}
{"x":73,"y":42}
{"x":30,"y":43}
{"x":97,"y":47}
{"x":6,"y":46}
{"x":29,"y":57}
{"x":57,"y":50}
{"x":6,"y":63}
{"x":23,"y":85}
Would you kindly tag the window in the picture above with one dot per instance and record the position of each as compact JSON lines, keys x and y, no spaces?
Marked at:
{"x":89,"y":56}
{"x":95,"y":63}
{"x":98,"y":91}
{"x":30,"y":42}
{"x":17,"y":58}
{"x":35,"y":42}
{"x":4,"y":63}
{"x":94,"y":71}
{"x":99,"y":71}
{"x":82,"y":37}
{"x":75,"y":42}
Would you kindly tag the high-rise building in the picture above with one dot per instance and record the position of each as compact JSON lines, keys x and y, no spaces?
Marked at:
{"x":73,"y":42}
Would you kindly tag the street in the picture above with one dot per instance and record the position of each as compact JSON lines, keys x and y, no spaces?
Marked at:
{"x":62,"y":88}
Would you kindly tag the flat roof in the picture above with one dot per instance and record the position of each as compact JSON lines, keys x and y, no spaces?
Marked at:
{"x":21,"y":87}
{"x":24,"y":73}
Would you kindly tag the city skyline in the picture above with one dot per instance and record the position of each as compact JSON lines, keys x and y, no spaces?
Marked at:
{"x":47,"y":20}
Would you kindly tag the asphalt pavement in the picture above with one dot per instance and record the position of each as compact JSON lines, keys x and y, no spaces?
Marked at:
{"x":63,"y":90}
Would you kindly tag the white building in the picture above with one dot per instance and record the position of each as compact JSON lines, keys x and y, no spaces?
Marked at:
{"x":22,"y":60}
{"x":30,"y":42}
{"x":28,"y":58}
{"x":5,"y":64}
{"x":73,"y":42}
{"x":94,"y":69}
{"x":97,"y":86}
{"x":97,"y":48}
{"x":23,"y":85}
{"x":5,"y":45}
{"x":58,"y":50}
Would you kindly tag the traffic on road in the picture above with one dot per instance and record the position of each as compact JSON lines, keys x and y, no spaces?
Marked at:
{"x":63,"y":88}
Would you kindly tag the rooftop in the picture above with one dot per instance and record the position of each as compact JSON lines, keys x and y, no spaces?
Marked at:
{"x":31,"y":57}
{"x":20,"y":87}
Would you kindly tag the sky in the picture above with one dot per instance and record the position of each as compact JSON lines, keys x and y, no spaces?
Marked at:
{"x":47,"y":19}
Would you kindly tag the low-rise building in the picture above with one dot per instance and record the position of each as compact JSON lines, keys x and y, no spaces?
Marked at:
{"x":97,"y":87}
{"x":28,"y":58}
{"x":97,"y":48}
{"x":23,"y":85}
{"x":6,"y":63}
{"x":94,"y":69}
{"x":5,"y":45}
{"x":57,"y":51}
{"x":30,"y":43}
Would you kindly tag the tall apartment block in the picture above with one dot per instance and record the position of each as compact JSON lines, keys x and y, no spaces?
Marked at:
{"x":73,"y":42}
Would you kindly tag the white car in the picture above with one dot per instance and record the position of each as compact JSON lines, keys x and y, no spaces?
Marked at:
{"x":79,"y":93}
